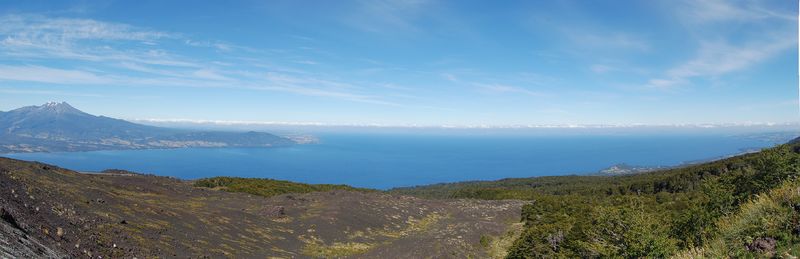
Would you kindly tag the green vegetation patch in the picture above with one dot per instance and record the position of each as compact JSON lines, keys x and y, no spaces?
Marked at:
{"x":316,"y":247}
{"x":735,"y":207}
{"x":767,"y":225}
{"x":497,"y":247}
{"x":336,"y":249}
{"x":268,"y":187}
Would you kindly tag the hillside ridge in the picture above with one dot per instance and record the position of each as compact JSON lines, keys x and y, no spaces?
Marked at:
{"x":48,"y":211}
{"x":712,"y":209}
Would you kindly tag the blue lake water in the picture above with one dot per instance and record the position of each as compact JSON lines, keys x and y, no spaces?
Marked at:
{"x":387,"y":160}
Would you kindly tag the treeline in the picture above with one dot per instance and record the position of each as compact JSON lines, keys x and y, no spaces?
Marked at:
{"x":682,"y":211}
{"x":268,"y":187}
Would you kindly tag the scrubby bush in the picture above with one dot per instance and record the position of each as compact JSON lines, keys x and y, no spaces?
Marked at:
{"x":267,"y":187}
{"x":743,"y":206}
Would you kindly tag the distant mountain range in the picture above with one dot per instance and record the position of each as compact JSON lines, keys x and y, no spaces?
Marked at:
{"x":54,"y":127}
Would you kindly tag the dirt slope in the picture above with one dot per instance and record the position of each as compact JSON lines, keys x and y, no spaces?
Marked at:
{"x":53,"y":212}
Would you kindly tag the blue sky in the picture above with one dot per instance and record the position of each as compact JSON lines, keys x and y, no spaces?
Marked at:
{"x":407,"y":62}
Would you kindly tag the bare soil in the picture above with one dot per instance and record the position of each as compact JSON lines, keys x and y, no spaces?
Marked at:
{"x":46,"y":211}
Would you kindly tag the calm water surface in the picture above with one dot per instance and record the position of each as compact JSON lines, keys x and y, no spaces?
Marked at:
{"x":385,"y":161}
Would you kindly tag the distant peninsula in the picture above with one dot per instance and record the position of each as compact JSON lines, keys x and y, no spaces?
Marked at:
{"x":59,"y":127}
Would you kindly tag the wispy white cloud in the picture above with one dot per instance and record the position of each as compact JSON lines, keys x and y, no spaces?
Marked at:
{"x":725,"y":11}
{"x":210,"y":74}
{"x":201,"y":78}
{"x":59,"y":76}
{"x":498,"y":88}
{"x":219,"y":45}
{"x":387,"y":16}
{"x":46,"y":92}
{"x":327,"y":93}
{"x":285,"y":79}
{"x":601,"y":69}
{"x":518,"y":83}
{"x":311,"y":86}
{"x":450,"y":77}
{"x":715,"y":59}
{"x":770,"y":105}
{"x":661,"y":83}
{"x":607,"y":66}
{"x":724,"y":49}
{"x":306,"y":62}
{"x":46,"y":38}
{"x":50,"y":75}
{"x":54,"y":31}
{"x":609,"y":40}
{"x":121,"y":53}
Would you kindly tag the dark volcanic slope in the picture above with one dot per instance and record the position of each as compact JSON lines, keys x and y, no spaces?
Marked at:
{"x":50,"y":212}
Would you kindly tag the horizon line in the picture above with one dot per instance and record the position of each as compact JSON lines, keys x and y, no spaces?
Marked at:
{"x":465,"y":126}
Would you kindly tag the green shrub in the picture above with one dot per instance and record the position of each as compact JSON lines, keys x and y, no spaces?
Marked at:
{"x":715,"y":209}
{"x":771,"y":216}
{"x":268,"y":187}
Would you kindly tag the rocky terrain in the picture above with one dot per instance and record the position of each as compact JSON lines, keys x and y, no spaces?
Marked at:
{"x":625,"y":169}
{"x":48,"y":211}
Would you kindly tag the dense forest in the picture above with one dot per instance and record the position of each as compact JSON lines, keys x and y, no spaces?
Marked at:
{"x":748,"y":205}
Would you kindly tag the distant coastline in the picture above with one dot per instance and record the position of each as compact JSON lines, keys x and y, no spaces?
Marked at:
{"x":55,"y":127}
